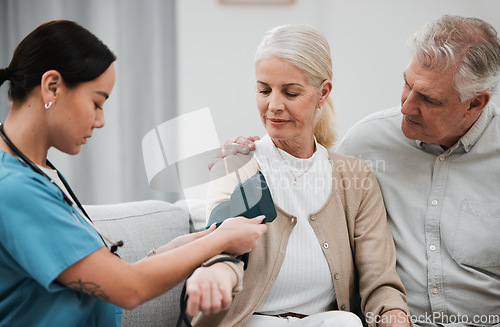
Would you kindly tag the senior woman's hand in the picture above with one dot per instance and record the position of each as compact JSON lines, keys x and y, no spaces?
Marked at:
{"x":209,"y":289}
{"x":232,"y":146}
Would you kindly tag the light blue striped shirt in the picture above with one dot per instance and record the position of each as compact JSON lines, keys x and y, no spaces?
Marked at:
{"x":444,"y":211}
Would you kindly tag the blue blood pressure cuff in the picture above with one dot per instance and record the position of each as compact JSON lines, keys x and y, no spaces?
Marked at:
{"x":249,"y":199}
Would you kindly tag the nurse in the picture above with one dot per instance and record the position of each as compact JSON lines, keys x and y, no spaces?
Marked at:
{"x":55,"y":267}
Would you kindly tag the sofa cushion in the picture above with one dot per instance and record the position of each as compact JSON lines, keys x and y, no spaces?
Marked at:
{"x":197,"y":212}
{"x":142,"y":226}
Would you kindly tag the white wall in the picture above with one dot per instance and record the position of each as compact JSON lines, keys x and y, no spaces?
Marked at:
{"x":216,"y":44}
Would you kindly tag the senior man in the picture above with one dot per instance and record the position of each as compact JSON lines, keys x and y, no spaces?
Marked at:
{"x":437,"y":159}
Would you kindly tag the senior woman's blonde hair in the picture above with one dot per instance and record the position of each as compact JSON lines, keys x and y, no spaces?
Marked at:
{"x":308,"y":49}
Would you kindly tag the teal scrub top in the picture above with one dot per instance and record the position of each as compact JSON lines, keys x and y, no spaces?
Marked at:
{"x":40,"y":236}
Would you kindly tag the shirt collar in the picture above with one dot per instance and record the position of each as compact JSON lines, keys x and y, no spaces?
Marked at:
{"x":266,"y":148}
{"x":267,"y":142}
{"x":474,"y":133}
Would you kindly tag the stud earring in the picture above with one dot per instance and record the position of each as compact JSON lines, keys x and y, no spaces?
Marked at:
{"x":48,"y":105}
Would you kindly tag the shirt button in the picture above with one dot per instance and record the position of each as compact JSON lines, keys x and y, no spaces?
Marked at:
{"x":325,"y":245}
{"x":435,"y":290}
{"x":337,"y":276}
{"x":434,"y":202}
{"x":441,"y":158}
{"x":342,"y":307}
{"x":313,"y":217}
{"x":432,"y":247}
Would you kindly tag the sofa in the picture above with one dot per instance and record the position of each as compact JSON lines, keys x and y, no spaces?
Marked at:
{"x":143,"y":226}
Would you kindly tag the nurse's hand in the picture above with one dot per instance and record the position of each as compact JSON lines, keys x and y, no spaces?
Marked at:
{"x":233,"y":146}
{"x":241,"y":234}
{"x":209,"y":289}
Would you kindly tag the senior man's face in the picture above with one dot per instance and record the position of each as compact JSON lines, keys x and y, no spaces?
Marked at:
{"x":431,"y":108}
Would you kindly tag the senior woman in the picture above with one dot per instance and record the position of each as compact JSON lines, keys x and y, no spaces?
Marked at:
{"x":329,"y":251}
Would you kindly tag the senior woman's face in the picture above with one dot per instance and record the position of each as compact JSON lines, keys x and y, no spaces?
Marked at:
{"x":286,"y":100}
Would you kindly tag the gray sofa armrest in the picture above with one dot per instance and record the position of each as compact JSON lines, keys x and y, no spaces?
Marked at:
{"x":143,"y":226}
{"x":197,"y":212}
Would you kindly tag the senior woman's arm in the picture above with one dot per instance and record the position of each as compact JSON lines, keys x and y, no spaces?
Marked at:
{"x":382,"y":292}
{"x":211,"y":289}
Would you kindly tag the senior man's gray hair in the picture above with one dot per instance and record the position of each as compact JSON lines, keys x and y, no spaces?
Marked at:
{"x":468,"y":45}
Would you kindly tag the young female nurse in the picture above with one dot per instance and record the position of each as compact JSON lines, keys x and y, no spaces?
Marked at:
{"x":55,"y":268}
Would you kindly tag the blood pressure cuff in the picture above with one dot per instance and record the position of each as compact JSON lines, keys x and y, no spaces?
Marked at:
{"x":249,"y":199}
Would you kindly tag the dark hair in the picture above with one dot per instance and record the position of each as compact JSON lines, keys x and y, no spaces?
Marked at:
{"x":62,"y":45}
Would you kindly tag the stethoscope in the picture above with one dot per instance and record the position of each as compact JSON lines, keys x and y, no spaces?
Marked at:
{"x":78,"y":207}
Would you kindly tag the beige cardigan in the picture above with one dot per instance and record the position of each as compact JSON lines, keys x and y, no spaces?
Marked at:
{"x":351,"y":228}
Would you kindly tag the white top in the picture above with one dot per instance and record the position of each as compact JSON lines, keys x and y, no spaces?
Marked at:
{"x":52,"y":173}
{"x":304,"y":283}
{"x":55,"y":177}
